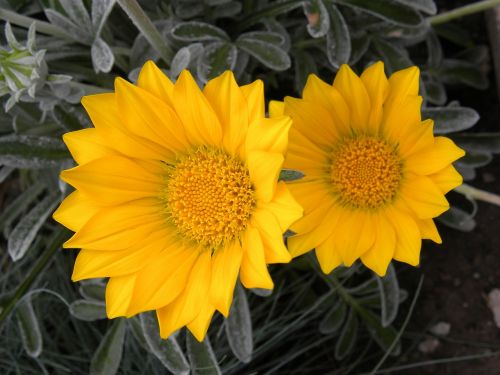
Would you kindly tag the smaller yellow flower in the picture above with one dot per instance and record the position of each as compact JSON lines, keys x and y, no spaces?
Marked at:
{"x":177,"y":195}
{"x":375,"y":176}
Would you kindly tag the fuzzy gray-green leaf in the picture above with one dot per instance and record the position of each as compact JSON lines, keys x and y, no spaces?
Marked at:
{"x":451,"y":120}
{"x":239,"y":327}
{"x":216,"y":59}
{"x":338,"y":39}
{"x":268,"y":54}
{"x":389,"y":296}
{"x":317,"y":17}
{"x":457,"y":218}
{"x":201,"y":356}
{"x":195,"y":31}
{"x":88,"y":310}
{"x":107,"y":358}
{"x":102,"y":56}
{"x":333,"y":319}
{"x":388,"y":10}
{"x":347,"y":337}
{"x":29,"y":328}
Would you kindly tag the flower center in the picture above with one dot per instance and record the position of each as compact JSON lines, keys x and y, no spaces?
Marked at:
{"x":210,"y":197}
{"x":366,"y":172}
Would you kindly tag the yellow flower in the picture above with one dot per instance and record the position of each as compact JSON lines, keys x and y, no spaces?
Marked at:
{"x":177,"y":193}
{"x":375,"y":175}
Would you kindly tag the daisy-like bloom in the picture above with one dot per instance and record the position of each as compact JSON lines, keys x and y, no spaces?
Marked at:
{"x":177,"y":194}
{"x":375,"y":175}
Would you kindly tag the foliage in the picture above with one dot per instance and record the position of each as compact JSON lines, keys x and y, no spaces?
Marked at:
{"x":311,"y":322}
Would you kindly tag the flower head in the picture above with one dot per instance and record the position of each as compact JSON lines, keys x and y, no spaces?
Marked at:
{"x":375,"y":176}
{"x":177,"y":193}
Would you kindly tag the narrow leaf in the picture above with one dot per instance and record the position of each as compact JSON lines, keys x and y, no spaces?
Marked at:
{"x":88,"y":310}
{"x":216,"y":59}
{"x":268,"y":54}
{"x":333,"y":319}
{"x":426,"y":6}
{"x":30,"y":328}
{"x":474,"y":159}
{"x":457,"y":218}
{"x":450,"y":120}
{"x":395,"y":58}
{"x":102,"y":56}
{"x":387,"y":10}
{"x":348,"y":336}
{"x":78,"y":13}
{"x":239,"y":327}
{"x":73,"y":31}
{"x":201,"y":356}
{"x":93,"y":291}
{"x":389,"y":296}
{"x":338,"y":39}
{"x":106,"y":359}
{"x":290,"y":175}
{"x":195,"y":31}
{"x":100,"y":12}
{"x":318,"y":19}
{"x":479,"y":141}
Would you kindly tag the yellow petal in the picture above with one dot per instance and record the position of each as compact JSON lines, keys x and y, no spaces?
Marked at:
{"x":434,"y":158}
{"x":352,"y":246}
{"x":147,"y":116}
{"x":114,"y":179}
{"x":310,"y":195}
{"x":199,"y":326}
{"x":117,"y":227}
{"x":423,"y":197}
{"x":187,"y":306}
{"x":377,"y":86}
{"x":153,"y":80}
{"x":193,"y":108}
{"x":75,"y":210}
{"x":429,"y":231}
{"x":354,"y":93}
{"x":264,"y":168}
{"x":118,"y":295}
{"x":318,"y":91}
{"x":254,"y":94}
{"x":312,"y":121}
{"x":164,"y":279}
{"x":328,"y":256}
{"x":417,"y":137}
{"x":302,"y":243}
{"x":272,"y":237}
{"x":269,"y":135}
{"x":254,"y":272}
{"x":398,"y":125}
{"x":408,"y":239}
{"x":226,"y":264}
{"x":402,"y":84}
{"x":284,"y":207}
{"x":103,"y":111}
{"x":276,"y":108}
{"x":86,"y":145}
{"x":379,"y":256}
{"x":229,"y":104}
{"x":447,"y":179}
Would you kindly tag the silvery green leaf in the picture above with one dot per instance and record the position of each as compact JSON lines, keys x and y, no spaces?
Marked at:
{"x":394,"y":57}
{"x":11,"y":39}
{"x":29,"y":328}
{"x":463,"y":72}
{"x":106,"y":359}
{"x":201,"y":356}
{"x":262,"y":292}
{"x":269,"y":55}
{"x":333,"y":319}
{"x":195,"y":31}
{"x":141,"y":52}
{"x":27,"y":151}
{"x":88,"y":310}
{"x":77,"y":12}
{"x":31,"y":39}
{"x":5,"y":172}
{"x":389,"y":296}
{"x":58,"y":78}
{"x":290,"y":175}
{"x":26,"y":230}
{"x":19,"y":205}
{"x":278,"y":28}
{"x":348,"y":336}
{"x":451,"y":120}
{"x":100,"y":12}
{"x":102,"y":56}
{"x":189,"y":10}
{"x":359,"y":45}
{"x":434,"y":49}
{"x":338,"y":39}
{"x":474,"y":159}
{"x":238,"y":327}
{"x":388,"y":10}
{"x":68,"y":26}
{"x":318,"y":19}
{"x":457,"y":218}
{"x":304,"y":66}
{"x":135,"y":327}
{"x":478,"y":141}
{"x":216,"y":59}
{"x":426,"y":6}
{"x":468,"y":174}
{"x":241,"y":64}
{"x":167,"y":351}
{"x":383,"y":336}
{"x":227,"y":10}
{"x":185,"y":57}
{"x":265,"y":36}
{"x":93,"y":291}
{"x":435,"y":92}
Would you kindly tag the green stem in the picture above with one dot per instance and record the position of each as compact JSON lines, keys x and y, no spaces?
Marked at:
{"x":478,"y":194}
{"x":41,"y":26}
{"x":463,"y":11}
{"x":147,"y":28}
{"x":269,"y":11}
{"x":61,"y":235}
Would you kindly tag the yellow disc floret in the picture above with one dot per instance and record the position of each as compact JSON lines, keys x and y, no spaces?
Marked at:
{"x":365,"y":172}
{"x":209,"y":196}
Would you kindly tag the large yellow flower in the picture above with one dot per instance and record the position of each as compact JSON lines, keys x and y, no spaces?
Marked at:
{"x":176,"y":194}
{"x":375,"y":175}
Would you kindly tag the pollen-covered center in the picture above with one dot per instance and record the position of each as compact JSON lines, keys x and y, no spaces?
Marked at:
{"x":366,"y":172}
{"x":210,"y":196}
